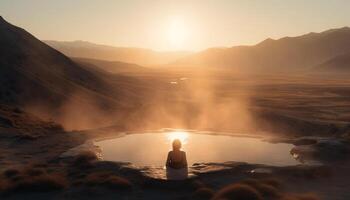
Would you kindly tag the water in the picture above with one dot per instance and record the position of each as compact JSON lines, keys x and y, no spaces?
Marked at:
{"x":150,"y":149}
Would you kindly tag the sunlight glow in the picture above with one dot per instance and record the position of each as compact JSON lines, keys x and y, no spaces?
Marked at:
{"x":181,"y":135}
{"x":178,"y":33}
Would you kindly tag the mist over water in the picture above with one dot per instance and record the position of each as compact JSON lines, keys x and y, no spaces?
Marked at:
{"x":199,"y":101}
{"x":202,"y":101}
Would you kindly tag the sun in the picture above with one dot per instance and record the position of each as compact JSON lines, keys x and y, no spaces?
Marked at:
{"x":180,"y":135}
{"x":178,"y":33}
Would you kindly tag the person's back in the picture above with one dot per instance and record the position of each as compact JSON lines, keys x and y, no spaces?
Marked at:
{"x":176,"y":163}
{"x":177,"y":159}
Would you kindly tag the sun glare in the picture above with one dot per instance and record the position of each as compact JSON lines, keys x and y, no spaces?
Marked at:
{"x":178,"y":33}
{"x":180,"y":135}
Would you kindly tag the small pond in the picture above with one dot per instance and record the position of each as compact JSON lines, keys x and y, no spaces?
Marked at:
{"x":151,"y":148}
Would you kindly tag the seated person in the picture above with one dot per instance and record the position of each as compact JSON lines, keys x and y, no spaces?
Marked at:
{"x":176,"y":164}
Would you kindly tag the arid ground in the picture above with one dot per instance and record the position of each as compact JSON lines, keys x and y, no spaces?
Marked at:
{"x":284,"y":90}
{"x":282,"y":107}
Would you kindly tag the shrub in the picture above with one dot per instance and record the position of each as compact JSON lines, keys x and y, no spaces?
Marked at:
{"x":3,"y":185}
{"x":116,"y":182}
{"x":272,"y":182}
{"x":108,"y":181}
{"x":40,"y":165}
{"x":9,"y":173}
{"x":264,"y":189}
{"x":35,"y":172}
{"x":251,"y":182}
{"x":17,"y":178}
{"x":267,"y":190}
{"x":300,"y":197}
{"x":17,"y":110}
{"x":84,"y":159}
{"x":197,"y":184}
{"x":202,"y":194}
{"x":238,"y":192}
{"x":307,"y":197}
{"x":42,"y":183}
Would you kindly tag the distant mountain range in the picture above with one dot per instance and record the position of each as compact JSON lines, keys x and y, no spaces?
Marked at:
{"x":139,"y":56}
{"x":286,"y":54}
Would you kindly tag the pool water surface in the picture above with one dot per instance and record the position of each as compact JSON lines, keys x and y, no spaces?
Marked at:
{"x":151,"y":149}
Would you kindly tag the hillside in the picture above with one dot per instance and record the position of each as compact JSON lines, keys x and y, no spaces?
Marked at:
{"x":114,"y":67}
{"x":43,"y":81}
{"x":338,"y":64}
{"x":285,"y":54}
{"x":14,"y":122}
{"x":145,"y":57}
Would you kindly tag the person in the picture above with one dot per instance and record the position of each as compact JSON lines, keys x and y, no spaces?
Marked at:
{"x":176,"y":163}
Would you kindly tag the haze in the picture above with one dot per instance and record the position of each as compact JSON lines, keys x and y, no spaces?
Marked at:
{"x":175,"y":99}
{"x":174,"y":25}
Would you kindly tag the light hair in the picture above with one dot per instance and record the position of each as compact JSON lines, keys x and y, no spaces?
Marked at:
{"x":177,"y":144}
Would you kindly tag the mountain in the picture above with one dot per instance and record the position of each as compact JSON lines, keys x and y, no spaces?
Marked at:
{"x":114,"y":67}
{"x":338,"y":64}
{"x":285,"y":54}
{"x":43,"y":81}
{"x":145,"y":57}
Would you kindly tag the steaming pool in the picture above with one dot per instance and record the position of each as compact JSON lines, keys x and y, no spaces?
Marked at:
{"x":151,"y":148}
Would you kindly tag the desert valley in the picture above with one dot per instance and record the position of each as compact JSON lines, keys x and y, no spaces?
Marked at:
{"x":80,"y":120}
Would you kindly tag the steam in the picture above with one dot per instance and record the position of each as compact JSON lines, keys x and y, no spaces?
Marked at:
{"x":78,"y":112}
{"x":201,"y":101}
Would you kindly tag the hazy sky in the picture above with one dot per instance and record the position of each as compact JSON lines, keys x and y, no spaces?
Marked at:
{"x":174,"y":24}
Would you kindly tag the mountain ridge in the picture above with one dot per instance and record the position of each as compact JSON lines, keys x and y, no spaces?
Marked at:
{"x":285,"y":54}
{"x":133,"y":55}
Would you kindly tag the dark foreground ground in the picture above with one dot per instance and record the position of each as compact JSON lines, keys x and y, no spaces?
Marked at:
{"x":287,"y":108}
{"x":34,"y":169}
{"x":43,"y":175}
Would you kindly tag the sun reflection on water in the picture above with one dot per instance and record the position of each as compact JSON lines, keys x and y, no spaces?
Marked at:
{"x":151,"y":149}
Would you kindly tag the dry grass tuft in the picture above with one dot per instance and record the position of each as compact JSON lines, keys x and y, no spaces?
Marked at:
{"x":34,"y":171}
{"x":197,"y":184}
{"x":9,"y":173}
{"x":84,"y":159}
{"x":251,"y":189}
{"x":3,"y":185}
{"x":31,"y":179}
{"x":300,"y":197}
{"x":202,"y":194}
{"x":238,"y":192}
{"x":272,"y":182}
{"x":263,"y":188}
{"x":267,"y":191}
{"x":41,"y":183}
{"x":108,"y":180}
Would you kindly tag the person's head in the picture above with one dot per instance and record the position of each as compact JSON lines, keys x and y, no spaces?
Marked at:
{"x":176,"y":144}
